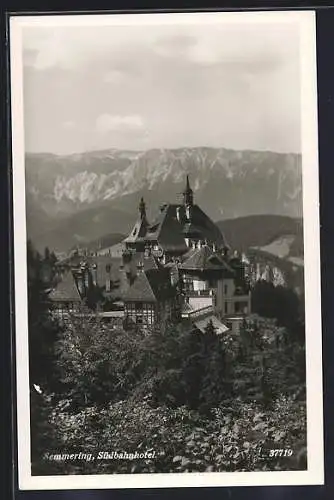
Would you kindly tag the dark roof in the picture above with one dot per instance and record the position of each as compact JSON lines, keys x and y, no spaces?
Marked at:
{"x":107,"y":267}
{"x":66,"y":290}
{"x":150,"y":286}
{"x":211,"y":233}
{"x":204,"y":259}
{"x":167,"y":230}
{"x":170,"y":232}
{"x":138,"y":232}
{"x":190,"y":229}
{"x":148,"y":262}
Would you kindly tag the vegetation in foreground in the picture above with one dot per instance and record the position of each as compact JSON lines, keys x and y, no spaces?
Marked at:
{"x":199,"y":402}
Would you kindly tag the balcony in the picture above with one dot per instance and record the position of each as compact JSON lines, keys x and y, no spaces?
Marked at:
{"x":190,"y":313}
{"x":199,"y":293}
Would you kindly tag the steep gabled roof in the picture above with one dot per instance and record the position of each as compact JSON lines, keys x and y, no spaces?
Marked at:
{"x":167,"y":230}
{"x":138,"y":232}
{"x":150,"y":286}
{"x":140,"y":290}
{"x":170,"y":232}
{"x":189,"y":229}
{"x":209,"y":230}
{"x":203,"y":259}
{"x":107,"y":267}
{"x":66,"y":290}
{"x":148,"y":262}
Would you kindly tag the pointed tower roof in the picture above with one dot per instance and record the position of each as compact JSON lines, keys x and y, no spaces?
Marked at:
{"x":140,"y":228}
{"x":142,"y":208}
{"x":188,"y":188}
{"x":188,"y":194}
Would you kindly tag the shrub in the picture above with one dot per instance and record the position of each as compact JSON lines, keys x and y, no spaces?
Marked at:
{"x":238,"y":437}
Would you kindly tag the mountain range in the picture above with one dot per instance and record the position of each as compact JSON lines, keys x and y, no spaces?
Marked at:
{"x":78,"y":198}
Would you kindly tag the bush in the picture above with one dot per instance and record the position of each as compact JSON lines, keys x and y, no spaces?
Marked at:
{"x":238,"y":437}
{"x":99,"y":364}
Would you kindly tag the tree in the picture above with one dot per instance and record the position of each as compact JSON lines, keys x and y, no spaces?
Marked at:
{"x":281,"y":303}
{"x":94,"y":297}
{"x":47,"y":254}
{"x":42,"y":327}
{"x":96,"y":362}
{"x":215,"y":367}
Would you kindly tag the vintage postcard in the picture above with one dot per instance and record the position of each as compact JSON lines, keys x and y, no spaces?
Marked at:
{"x":166,"y":250}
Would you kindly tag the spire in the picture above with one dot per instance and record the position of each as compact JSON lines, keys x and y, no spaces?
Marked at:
{"x":142,"y":208}
{"x":188,"y":195}
{"x":187,"y":184}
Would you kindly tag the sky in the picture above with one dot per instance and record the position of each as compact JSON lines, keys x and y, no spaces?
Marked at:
{"x":149,"y":86}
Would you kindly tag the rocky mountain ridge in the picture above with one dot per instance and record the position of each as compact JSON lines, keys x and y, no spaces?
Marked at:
{"x":84,"y":196}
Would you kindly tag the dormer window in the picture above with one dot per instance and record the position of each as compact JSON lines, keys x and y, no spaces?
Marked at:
{"x":153,"y":229}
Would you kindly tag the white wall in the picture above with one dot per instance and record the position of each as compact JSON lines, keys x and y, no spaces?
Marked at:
{"x":200,"y":285}
{"x":228,"y":287}
{"x":200,"y":302}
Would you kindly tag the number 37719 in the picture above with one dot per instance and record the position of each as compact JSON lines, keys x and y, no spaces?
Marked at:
{"x":282,"y":452}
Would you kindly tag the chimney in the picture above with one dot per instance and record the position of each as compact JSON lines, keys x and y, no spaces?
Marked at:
{"x":94,"y":274}
{"x":225,"y":251}
{"x":108,"y":279}
{"x":147,"y":252}
{"x":85,"y":276}
{"x":80,"y":282}
{"x":140,"y":267}
{"x":188,"y":212}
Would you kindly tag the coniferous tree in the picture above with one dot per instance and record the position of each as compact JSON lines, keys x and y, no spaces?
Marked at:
{"x":42,"y":327}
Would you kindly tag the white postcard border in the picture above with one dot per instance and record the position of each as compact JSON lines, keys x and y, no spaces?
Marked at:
{"x":315,"y":472}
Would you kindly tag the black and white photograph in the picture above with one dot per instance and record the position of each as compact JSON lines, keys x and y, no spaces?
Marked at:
{"x":166,"y":250}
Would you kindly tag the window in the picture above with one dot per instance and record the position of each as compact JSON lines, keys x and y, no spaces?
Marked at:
{"x":139,"y":306}
{"x":154,"y":228}
{"x":188,"y":283}
{"x":108,"y":285}
{"x":226,"y":308}
{"x":241,"y":307}
{"x":225,"y":289}
{"x":108,"y":267}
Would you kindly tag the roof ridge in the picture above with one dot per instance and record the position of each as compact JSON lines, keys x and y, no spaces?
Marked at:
{"x":147,"y":278}
{"x":67,"y":285}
